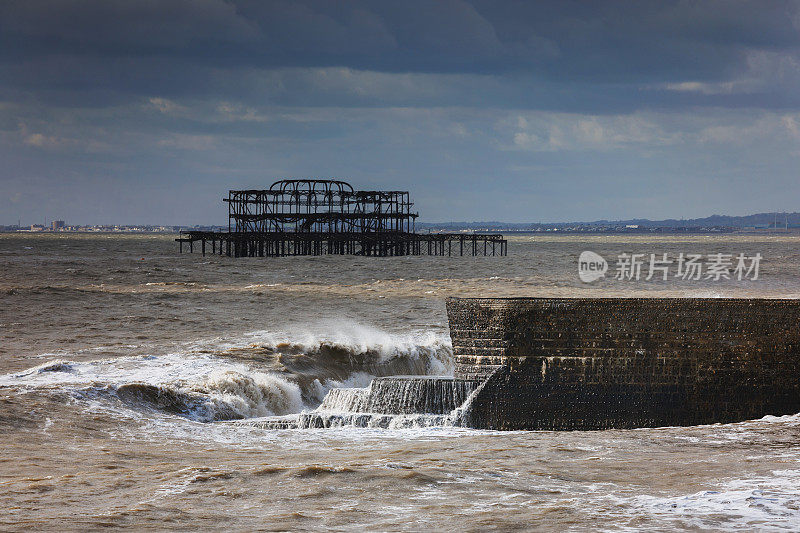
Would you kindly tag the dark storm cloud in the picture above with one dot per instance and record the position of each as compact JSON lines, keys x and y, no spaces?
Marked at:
{"x":629,"y":50}
{"x":606,"y":40}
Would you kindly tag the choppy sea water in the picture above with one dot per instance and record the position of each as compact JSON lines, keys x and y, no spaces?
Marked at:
{"x":129,"y":376}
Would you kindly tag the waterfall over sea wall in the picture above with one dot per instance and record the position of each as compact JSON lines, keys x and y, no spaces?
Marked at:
{"x":430,"y":395}
{"x":399,"y":401}
{"x":400,"y":395}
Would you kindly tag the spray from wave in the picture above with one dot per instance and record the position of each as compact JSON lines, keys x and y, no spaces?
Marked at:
{"x":343,"y":354}
{"x":341,"y":348}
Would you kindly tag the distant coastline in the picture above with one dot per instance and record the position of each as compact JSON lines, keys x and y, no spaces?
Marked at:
{"x":143,"y":229}
{"x":760,"y":223}
{"x":757,"y":223}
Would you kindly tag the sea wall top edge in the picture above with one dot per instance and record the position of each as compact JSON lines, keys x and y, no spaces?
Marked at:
{"x":612,"y":298}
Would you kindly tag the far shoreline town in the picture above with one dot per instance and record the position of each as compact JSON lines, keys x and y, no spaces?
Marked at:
{"x":766,"y":223}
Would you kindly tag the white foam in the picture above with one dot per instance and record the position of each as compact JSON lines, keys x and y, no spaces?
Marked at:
{"x":768,"y":503}
{"x":148,"y":369}
{"x":248,"y":394}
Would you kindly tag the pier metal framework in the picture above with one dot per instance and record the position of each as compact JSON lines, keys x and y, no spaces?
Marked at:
{"x":314,"y":217}
{"x":319,"y":206}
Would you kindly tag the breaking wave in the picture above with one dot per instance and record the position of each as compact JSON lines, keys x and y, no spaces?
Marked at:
{"x":264,"y":375}
{"x":56,"y":365}
{"x":349,"y":355}
{"x":222,"y":395}
{"x":200,"y":388}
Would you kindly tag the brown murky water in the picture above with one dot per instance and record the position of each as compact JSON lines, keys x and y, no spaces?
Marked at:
{"x":128,"y":374}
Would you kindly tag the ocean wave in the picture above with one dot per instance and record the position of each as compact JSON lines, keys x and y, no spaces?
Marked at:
{"x":265,"y":375}
{"x":221,"y":395}
{"x":200,"y":388}
{"x":56,"y":365}
{"x":258,"y":375}
{"x":351,"y":338}
{"x":338,"y":351}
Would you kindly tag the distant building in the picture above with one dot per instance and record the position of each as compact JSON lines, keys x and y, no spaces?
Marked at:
{"x":57,"y":225}
{"x":37,"y":227}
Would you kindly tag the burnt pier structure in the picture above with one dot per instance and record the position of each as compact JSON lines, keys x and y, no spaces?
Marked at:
{"x":316,"y":217}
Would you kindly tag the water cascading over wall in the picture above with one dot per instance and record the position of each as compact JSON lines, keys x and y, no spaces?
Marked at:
{"x":402,"y":395}
{"x":584,"y":363}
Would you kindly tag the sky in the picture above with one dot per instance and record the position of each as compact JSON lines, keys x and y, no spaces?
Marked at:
{"x":149,"y":111}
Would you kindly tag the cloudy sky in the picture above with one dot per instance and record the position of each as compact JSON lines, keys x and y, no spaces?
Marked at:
{"x":148,"y":111}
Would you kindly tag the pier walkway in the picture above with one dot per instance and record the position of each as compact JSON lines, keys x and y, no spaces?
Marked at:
{"x":279,"y":244}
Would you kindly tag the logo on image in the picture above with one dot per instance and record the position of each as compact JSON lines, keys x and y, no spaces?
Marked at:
{"x":685,"y":266}
{"x":591,"y":266}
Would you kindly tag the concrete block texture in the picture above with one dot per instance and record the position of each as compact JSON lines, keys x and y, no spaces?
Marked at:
{"x":596,"y":363}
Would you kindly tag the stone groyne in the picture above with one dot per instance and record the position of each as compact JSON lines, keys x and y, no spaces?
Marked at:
{"x":585,"y":363}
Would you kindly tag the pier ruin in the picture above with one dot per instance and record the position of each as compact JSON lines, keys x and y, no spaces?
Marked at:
{"x":316,"y":217}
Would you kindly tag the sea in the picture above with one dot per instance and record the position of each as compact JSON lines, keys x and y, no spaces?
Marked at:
{"x":133,"y":380}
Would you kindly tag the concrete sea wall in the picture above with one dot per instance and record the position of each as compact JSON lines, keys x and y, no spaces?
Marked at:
{"x":564,"y":363}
